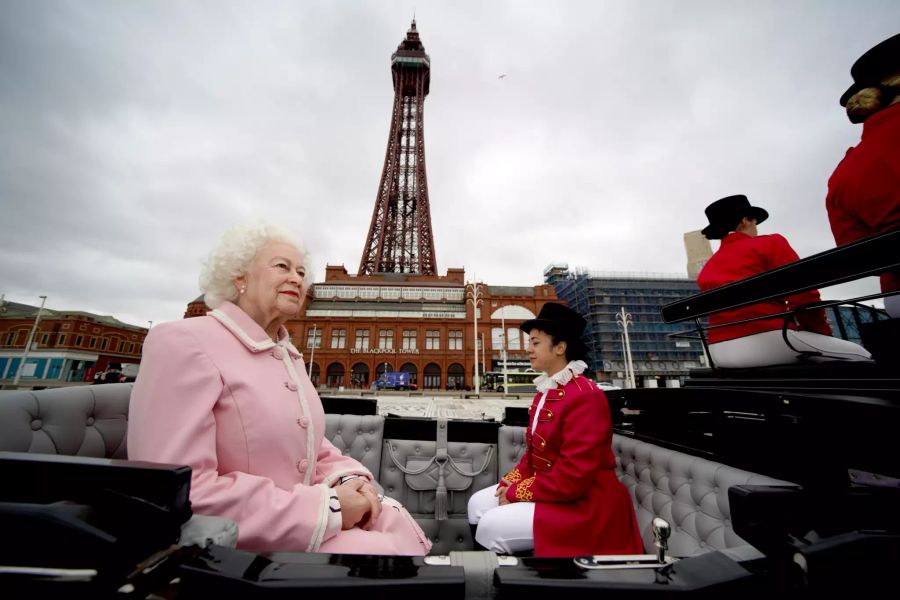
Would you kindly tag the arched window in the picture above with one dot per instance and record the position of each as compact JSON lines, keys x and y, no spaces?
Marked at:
{"x":456,"y":377}
{"x":334,"y":375}
{"x":411,"y":369}
{"x":431,"y":376}
{"x":314,"y":374}
{"x":382,"y":367}
{"x":359,"y":375}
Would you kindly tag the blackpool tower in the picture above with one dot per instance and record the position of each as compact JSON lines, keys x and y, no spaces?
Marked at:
{"x":400,"y":238}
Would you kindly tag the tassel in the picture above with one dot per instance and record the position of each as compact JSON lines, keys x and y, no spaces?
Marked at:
{"x":440,"y":496}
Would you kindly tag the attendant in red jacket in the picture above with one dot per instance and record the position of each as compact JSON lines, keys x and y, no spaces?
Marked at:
{"x":864,"y":190}
{"x":563,"y":498}
{"x":745,"y":253}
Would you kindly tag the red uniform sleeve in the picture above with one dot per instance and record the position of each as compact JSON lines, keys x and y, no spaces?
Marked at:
{"x":521,"y":471}
{"x":845,"y":226}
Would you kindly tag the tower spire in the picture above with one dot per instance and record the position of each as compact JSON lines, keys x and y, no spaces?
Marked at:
{"x":400,"y":238}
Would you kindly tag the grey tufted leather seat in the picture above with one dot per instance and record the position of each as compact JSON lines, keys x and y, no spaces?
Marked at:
{"x":690,"y":493}
{"x":76,"y":421}
{"x":357,"y":436}
{"x":453,"y":533}
{"x":89,"y":421}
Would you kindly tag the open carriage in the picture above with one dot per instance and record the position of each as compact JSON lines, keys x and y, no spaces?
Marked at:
{"x":766,"y":481}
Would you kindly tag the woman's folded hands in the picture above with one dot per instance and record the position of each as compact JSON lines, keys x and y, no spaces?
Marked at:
{"x":360,"y":505}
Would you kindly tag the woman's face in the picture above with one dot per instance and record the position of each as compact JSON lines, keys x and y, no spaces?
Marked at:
{"x":544,"y":356}
{"x":273,"y":284}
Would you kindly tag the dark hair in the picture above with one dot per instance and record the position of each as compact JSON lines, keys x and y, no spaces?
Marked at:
{"x":740,"y":220}
{"x":575,"y":349}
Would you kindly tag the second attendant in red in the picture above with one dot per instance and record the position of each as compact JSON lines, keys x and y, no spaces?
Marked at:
{"x":563,"y":498}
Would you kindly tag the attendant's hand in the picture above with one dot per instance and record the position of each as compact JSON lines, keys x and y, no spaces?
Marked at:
{"x":500,"y":492}
{"x":354,"y":505}
{"x":371,"y":494}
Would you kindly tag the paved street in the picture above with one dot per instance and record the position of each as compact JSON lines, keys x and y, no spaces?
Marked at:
{"x":445,"y":406}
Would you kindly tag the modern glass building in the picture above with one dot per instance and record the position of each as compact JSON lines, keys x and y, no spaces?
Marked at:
{"x":658,"y":360}
{"x":847,"y":321}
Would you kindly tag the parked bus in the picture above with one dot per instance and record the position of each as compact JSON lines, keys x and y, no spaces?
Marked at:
{"x":517,"y":382}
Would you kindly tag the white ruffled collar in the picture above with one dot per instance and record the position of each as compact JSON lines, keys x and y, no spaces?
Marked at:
{"x":546,"y":382}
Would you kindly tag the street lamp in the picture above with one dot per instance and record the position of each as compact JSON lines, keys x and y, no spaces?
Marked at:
{"x":482,"y":349}
{"x":312,"y":352}
{"x":474,"y":294}
{"x":624,"y":320}
{"x":503,"y":352}
{"x":28,"y":344}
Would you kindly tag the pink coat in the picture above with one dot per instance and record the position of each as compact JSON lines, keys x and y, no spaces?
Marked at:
{"x":217,"y":394}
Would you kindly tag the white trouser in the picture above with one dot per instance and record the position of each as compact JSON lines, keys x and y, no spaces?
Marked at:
{"x":503,"y":529}
{"x":892,"y":306}
{"x":769,"y":348}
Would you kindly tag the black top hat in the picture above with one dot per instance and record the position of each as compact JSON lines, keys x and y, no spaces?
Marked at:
{"x":725,"y":214}
{"x":873,"y":66}
{"x":562,"y":322}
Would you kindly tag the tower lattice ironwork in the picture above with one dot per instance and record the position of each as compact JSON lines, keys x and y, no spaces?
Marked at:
{"x":400,"y":238}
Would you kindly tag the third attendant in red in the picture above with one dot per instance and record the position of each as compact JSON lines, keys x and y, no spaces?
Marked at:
{"x":763,"y":341}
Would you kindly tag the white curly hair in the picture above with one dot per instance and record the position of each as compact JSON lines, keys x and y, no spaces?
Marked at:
{"x":868,"y":101}
{"x":232,"y":257}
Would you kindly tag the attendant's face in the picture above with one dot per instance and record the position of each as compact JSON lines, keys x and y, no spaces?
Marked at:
{"x":273,"y":284}
{"x":543,"y":354}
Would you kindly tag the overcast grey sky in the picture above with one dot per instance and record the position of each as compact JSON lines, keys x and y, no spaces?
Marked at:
{"x":133,"y":133}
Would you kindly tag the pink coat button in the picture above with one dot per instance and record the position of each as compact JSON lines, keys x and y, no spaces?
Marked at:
{"x":290,"y":385}
{"x":278,"y":353}
{"x":303,"y":422}
{"x":302,"y":465}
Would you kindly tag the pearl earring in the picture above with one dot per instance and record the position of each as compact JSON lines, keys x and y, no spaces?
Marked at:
{"x":243,"y":289}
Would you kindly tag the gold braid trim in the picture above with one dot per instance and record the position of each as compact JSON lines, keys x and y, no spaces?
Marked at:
{"x":513,"y":476}
{"x":523,"y":494}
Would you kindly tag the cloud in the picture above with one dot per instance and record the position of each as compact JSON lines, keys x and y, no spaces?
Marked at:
{"x":133,"y":134}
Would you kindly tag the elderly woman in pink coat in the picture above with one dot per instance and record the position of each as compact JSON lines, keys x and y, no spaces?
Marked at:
{"x":228,"y":395}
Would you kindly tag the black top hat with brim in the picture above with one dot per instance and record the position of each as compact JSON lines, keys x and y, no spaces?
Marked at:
{"x":873,"y":66}
{"x":724,"y":215}
{"x":562,"y":322}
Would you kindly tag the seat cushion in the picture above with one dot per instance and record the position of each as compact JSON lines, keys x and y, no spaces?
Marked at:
{"x":689,"y":492}
{"x":77,"y":421}
{"x":357,"y":436}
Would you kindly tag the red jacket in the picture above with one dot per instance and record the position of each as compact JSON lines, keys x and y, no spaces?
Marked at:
{"x":569,"y":471}
{"x":864,"y":190}
{"x":741,"y":256}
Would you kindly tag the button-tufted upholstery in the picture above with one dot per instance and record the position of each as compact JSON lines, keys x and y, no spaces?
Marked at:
{"x":469,"y":457}
{"x":510,"y":447}
{"x":358,"y":436}
{"x":77,"y":421}
{"x":453,"y":533}
{"x":88,"y":421}
{"x":690,"y":493}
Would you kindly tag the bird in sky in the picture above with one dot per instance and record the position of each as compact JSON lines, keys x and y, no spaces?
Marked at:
{"x":502,"y":76}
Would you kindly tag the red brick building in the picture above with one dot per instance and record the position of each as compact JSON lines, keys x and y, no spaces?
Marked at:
{"x":68,"y":346}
